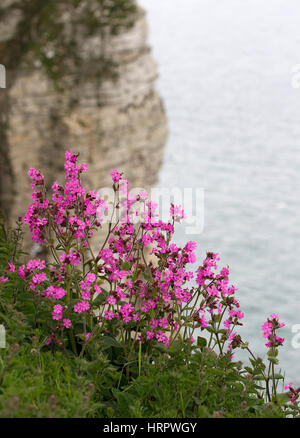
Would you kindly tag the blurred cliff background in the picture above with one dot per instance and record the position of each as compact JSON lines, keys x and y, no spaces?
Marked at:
{"x":80,"y":75}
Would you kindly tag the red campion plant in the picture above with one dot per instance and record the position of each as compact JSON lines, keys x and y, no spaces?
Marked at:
{"x":118,"y":294}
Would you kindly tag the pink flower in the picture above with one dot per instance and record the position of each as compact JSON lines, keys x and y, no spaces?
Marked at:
{"x":22,"y":271}
{"x":36,"y":177}
{"x":90,"y":278}
{"x":57,"y":312}
{"x":67,"y":323}
{"x":116,"y":176}
{"x":269,"y":328}
{"x":86,"y":336}
{"x":190,"y":246}
{"x":109,"y":314}
{"x":39,"y":278}
{"x":176,"y":212}
{"x":72,"y":258}
{"x":111,"y":300}
{"x":55,"y":292}
{"x":82,"y":306}
{"x":289,"y":385}
{"x":150,"y":334}
{"x":36,"y":264}
{"x":199,"y":316}
{"x":11,"y":267}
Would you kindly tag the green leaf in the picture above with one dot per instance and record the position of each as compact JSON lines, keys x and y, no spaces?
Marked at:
{"x":222,"y":331}
{"x":100,"y":298}
{"x":259,"y":377}
{"x":283,"y":397}
{"x":108,"y":342}
{"x":210,"y":329}
{"x":278,"y":376}
{"x":201,"y":342}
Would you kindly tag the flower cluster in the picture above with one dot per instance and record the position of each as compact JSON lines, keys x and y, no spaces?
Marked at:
{"x":293,"y":393}
{"x":269,"y":331}
{"x":219,"y":300}
{"x":138,"y":286}
{"x":43,"y":214}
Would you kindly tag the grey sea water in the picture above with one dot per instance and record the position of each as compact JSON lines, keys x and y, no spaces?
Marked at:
{"x":234,"y":120}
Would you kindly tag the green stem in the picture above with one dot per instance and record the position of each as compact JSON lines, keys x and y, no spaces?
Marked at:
{"x":71,"y":330}
{"x":140,"y":358}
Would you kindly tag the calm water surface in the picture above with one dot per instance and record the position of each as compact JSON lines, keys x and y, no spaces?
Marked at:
{"x":234,"y":121}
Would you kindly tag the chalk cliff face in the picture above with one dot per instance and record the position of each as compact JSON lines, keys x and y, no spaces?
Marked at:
{"x":114,"y":123}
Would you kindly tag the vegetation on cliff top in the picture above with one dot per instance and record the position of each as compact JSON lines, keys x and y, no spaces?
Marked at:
{"x":110,"y":334}
{"x":49,"y":34}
